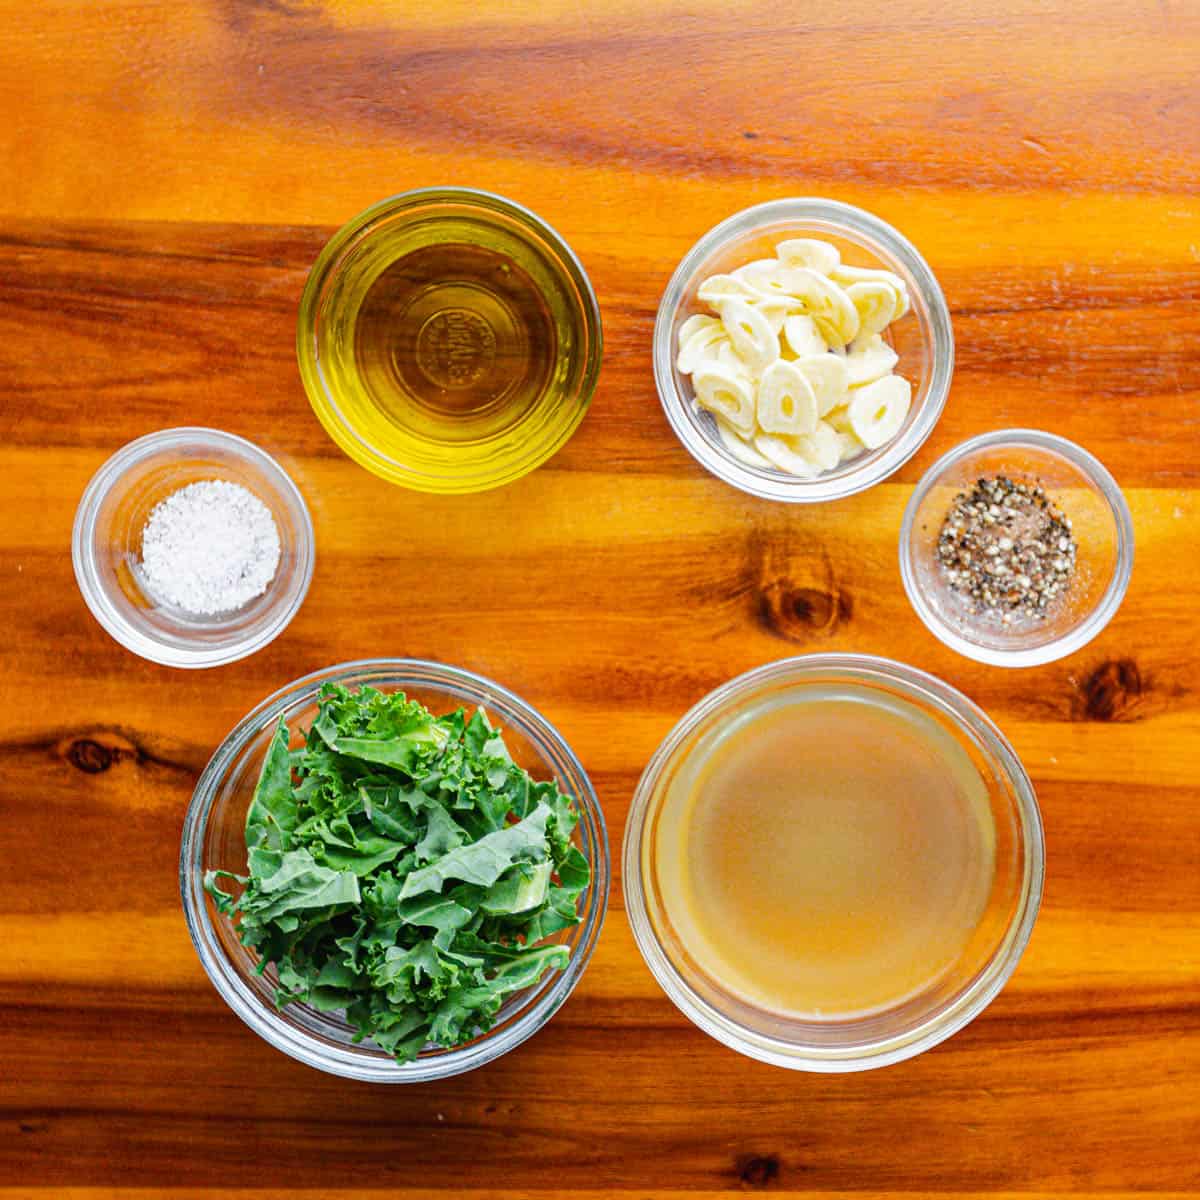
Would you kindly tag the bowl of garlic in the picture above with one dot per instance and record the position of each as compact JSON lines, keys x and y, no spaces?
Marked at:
{"x":803,"y":350}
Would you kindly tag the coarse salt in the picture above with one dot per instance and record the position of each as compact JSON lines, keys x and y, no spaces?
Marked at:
{"x":211,"y":547}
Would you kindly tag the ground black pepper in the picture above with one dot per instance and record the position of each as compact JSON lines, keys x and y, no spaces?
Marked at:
{"x":1007,"y":549}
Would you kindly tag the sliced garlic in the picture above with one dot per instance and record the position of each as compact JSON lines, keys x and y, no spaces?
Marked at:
{"x":786,"y":402}
{"x":696,"y":324}
{"x":750,"y":333}
{"x":739,"y":447}
{"x":726,"y":393}
{"x":808,"y":252}
{"x":702,"y":345}
{"x":776,"y":311}
{"x":849,"y":275}
{"x":720,"y":287}
{"x":848,"y":446}
{"x":728,"y":357}
{"x":747,"y":272}
{"x":782,"y":454}
{"x":878,"y":410}
{"x":869,"y":360}
{"x":821,"y":447}
{"x":875,"y":302}
{"x":793,"y":369}
{"x":839,"y":419}
{"x":802,"y":336}
{"x":830,"y":382}
{"x":803,"y":291}
{"x":846,"y":275}
{"x":772,"y":278}
{"x":833,"y":311}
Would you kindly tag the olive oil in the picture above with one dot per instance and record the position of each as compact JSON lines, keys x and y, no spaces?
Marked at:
{"x":458,"y":346}
{"x":830,"y":855}
{"x":453,"y":343}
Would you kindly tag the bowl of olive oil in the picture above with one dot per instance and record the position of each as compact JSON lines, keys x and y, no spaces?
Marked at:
{"x":449,"y":340}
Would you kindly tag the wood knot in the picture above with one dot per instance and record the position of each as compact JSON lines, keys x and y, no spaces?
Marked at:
{"x":797,"y":613}
{"x":240,"y":14}
{"x":99,"y":750}
{"x":90,"y":756}
{"x":1110,"y":692}
{"x":758,"y":1170}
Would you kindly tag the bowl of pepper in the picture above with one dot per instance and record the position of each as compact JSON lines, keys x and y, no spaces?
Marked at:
{"x":1016,"y":548}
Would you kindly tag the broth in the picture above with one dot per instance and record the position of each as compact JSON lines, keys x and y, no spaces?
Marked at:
{"x":828,"y":853}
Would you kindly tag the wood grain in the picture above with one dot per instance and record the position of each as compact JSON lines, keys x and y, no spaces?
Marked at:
{"x":171,"y":168}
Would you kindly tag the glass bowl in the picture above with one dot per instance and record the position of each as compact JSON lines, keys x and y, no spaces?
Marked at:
{"x":214,"y":839}
{"x":1081,"y":487}
{"x":853,"y":1042}
{"x":106,"y":547}
{"x":923,"y":339}
{"x":456,"y":343}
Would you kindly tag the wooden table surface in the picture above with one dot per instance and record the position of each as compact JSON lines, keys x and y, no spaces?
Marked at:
{"x":170,"y":170}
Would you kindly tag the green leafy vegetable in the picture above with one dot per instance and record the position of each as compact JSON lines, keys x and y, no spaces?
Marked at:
{"x":484,"y":861}
{"x":403,"y":869}
{"x":272,"y":815}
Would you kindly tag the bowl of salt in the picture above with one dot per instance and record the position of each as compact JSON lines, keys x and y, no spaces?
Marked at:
{"x":192,"y":547}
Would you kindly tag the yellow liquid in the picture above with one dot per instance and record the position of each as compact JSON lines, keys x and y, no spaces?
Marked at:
{"x":453,"y":342}
{"x":452,"y":348}
{"x":830,"y":856}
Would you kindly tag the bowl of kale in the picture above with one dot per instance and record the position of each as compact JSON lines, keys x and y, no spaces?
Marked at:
{"x":394,"y":870}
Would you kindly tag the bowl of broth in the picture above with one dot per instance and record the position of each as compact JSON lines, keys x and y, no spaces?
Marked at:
{"x":833,"y":862}
{"x":449,"y":340}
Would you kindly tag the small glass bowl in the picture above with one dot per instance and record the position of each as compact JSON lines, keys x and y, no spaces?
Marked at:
{"x":379,"y":439}
{"x":1086,"y":493}
{"x":106,"y":547}
{"x":923,"y":339}
{"x":214,"y":838}
{"x":853,"y":1043}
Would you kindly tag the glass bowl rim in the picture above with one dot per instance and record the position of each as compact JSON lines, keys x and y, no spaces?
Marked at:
{"x":87,"y":570}
{"x":853,"y":220}
{"x":969,"y":1003}
{"x":325,"y":404}
{"x":1106,"y":607}
{"x":264,"y":1020}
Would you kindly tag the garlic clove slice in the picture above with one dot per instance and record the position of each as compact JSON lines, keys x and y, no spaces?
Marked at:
{"x":786,"y":403}
{"x":878,"y":410}
{"x":726,"y":394}
{"x":868,"y":360}
{"x":829,"y":379}
{"x":750,"y":333}
{"x":808,"y":252}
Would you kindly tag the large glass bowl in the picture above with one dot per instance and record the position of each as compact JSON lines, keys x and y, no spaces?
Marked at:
{"x":923,"y":339}
{"x":214,"y":839}
{"x":906,"y":1028}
